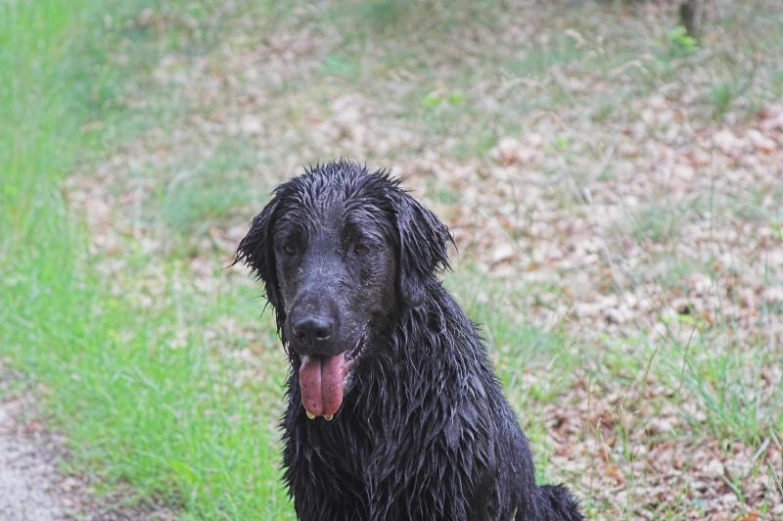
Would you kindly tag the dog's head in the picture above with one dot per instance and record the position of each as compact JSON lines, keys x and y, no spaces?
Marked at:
{"x":342,"y":253}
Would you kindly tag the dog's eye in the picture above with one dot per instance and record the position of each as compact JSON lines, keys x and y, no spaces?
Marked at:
{"x":289,"y":248}
{"x":360,"y":249}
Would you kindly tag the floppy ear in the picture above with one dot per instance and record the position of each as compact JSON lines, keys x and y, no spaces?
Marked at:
{"x":423,"y":239}
{"x":257,"y":251}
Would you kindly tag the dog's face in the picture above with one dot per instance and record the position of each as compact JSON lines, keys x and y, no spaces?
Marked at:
{"x":342,"y":253}
{"x":335,"y":269}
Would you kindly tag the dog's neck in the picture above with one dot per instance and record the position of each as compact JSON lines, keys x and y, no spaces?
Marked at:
{"x":412,"y":352}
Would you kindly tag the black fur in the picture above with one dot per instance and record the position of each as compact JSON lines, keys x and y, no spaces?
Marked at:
{"x":424,"y":432}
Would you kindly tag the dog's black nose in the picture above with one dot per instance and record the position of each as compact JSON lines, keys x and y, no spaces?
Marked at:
{"x":313,"y":330}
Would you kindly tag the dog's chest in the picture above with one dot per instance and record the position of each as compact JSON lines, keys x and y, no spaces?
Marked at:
{"x":370,"y":470}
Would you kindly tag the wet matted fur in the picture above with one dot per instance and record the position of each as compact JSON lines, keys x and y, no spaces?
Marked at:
{"x":394,"y":412}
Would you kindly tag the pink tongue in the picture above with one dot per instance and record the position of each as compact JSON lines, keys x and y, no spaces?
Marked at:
{"x":321,"y":381}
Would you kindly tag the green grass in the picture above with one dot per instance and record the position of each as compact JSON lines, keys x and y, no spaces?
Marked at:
{"x":141,"y":403}
{"x":516,"y":346}
{"x":207,"y":191}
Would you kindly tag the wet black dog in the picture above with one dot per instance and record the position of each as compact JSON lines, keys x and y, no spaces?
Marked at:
{"x":394,"y":412}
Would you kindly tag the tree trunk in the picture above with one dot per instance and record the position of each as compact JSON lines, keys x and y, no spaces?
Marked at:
{"x":691,"y":16}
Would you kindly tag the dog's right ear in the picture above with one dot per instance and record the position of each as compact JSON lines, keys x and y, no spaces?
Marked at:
{"x":257,"y":251}
{"x":423,"y":241}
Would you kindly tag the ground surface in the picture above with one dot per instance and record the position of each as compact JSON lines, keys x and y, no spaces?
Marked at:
{"x":28,"y":490}
{"x":34,"y":482}
{"x":593,"y":192}
{"x":615,"y":193}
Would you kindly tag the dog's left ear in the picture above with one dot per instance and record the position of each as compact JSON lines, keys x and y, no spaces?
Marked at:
{"x":423,"y":240}
{"x":257,"y":251}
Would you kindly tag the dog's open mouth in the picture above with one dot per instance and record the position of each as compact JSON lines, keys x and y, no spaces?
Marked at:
{"x":322,"y":380}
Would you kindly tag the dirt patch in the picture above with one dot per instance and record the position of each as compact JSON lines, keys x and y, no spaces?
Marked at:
{"x":32,"y":487}
{"x":28,"y":480}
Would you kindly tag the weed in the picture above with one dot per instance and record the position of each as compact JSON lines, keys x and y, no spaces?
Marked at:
{"x":680,"y":42}
{"x":722,"y":95}
{"x":658,"y":224}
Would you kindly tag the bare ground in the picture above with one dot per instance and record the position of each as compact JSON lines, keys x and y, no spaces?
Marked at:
{"x":33,"y":484}
{"x":28,"y":484}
